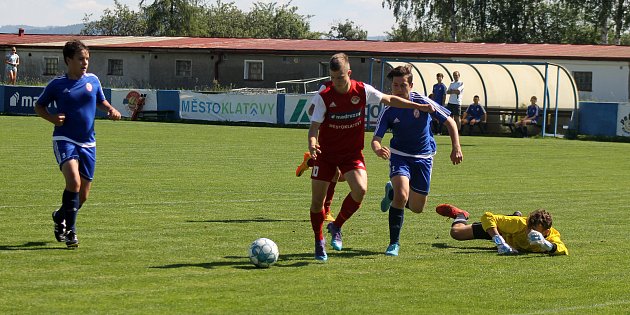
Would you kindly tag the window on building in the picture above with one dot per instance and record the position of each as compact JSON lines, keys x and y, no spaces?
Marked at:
{"x":254,"y":70}
{"x":323,"y":69}
{"x":183,"y":68}
{"x":583,"y":80}
{"x":51,"y":65}
{"x":114,"y":67}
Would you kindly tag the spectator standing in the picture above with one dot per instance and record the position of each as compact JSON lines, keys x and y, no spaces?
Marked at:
{"x":455,"y":92}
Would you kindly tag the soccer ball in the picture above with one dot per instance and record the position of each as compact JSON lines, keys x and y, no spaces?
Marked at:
{"x":263,"y":252}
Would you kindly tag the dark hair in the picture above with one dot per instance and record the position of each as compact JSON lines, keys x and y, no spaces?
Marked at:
{"x":477,"y":96}
{"x":338,"y":60}
{"x":401,"y":71}
{"x":540,"y":216}
{"x":72,"y":47}
{"x":440,"y":74}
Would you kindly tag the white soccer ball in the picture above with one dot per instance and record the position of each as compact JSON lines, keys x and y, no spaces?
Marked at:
{"x":263,"y":252}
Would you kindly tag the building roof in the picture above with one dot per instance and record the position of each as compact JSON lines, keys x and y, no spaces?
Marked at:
{"x":305,"y":46}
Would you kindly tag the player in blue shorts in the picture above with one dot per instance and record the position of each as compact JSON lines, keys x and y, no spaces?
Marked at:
{"x":533,"y":113}
{"x":475,"y":115}
{"x":411,"y":152}
{"x":77,"y":95}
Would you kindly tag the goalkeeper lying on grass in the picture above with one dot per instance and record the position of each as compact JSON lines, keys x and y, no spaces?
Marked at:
{"x":510,"y":233}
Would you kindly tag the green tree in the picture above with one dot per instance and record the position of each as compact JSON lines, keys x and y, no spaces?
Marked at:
{"x":270,"y":20}
{"x":225,"y":20}
{"x":121,"y":21}
{"x":348,"y":31}
{"x":175,"y":18}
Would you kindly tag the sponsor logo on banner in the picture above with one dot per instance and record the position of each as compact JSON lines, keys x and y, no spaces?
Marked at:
{"x":228,"y":107}
{"x":22,"y":100}
{"x":300,"y":114}
{"x":130,"y":102}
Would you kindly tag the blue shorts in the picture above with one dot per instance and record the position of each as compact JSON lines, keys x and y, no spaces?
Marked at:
{"x":469,"y":118}
{"x":66,"y":150}
{"x":418,"y":170}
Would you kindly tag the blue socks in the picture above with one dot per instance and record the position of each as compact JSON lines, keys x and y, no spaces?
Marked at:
{"x":70,"y":207}
{"x":396,"y":218}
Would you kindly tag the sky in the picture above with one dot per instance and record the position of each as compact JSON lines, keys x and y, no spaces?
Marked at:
{"x":368,"y":14}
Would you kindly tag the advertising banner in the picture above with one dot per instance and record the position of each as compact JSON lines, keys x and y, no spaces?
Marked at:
{"x":21,"y":99}
{"x":623,"y":120}
{"x":296,"y":110}
{"x":228,"y":107}
{"x":129,"y":102}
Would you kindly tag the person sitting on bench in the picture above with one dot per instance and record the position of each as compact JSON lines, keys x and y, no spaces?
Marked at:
{"x":533,"y":114}
{"x":475,"y":115}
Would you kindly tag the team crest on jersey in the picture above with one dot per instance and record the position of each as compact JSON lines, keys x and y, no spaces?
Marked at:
{"x":88,"y":86}
{"x":355,"y":100}
{"x":416,"y":113}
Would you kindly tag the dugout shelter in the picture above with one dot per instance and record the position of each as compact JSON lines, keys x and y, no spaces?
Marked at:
{"x":504,"y":88}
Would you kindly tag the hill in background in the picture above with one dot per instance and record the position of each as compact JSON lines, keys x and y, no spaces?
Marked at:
{"x":68,"y":29}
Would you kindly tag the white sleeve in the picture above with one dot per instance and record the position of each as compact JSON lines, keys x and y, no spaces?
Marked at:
{"x":320,"y":108}
{"x":372,"y":95}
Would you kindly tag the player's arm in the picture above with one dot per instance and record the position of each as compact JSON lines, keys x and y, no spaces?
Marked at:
{"x":313,"y":134}
{"x":456,"y":150}
{"x":552,"y":245}
{"x":491,"y":224}
{"x":112,"y":112}
{"x":43,"y":112}
{"x":395,"y":101}
{"x":379,"y":150}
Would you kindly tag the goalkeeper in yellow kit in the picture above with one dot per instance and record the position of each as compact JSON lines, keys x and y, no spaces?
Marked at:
{"x":510,"y":233}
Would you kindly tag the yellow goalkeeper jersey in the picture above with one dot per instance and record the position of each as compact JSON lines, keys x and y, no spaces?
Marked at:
{"x":514,"y":231}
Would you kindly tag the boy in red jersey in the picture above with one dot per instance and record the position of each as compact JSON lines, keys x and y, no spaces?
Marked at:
{"x":335,"y":140}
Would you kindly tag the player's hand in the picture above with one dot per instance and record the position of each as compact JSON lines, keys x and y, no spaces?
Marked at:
{"x":113,"y":114}
{"x":383,"y":153}
{"x":58,"y":119}
{"x":536,"y":238}
{"x":314,"y":150}
{"x":457,"y":156}
{"x":505,"y":249}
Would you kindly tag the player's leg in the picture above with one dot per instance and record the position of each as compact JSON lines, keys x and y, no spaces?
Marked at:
{"x":318,"y":191}
{"x":322,"y":174}
{"x":70,"y":200}
{"x":357,"y":180}
{"x":460,"y":229}
{"x":330,"y":193}
{"x":400,"y":184}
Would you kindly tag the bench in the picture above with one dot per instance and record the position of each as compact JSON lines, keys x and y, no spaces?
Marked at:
{"x":512,"y":116}
{"x":505,"y":118}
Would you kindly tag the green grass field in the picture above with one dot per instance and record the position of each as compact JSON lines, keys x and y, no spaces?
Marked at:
{"x":174,"y":208}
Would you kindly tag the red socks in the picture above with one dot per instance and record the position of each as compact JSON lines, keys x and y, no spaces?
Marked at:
{"x":317,"y":222}
{"x":348,"y":208}
{"x":329,"y":196}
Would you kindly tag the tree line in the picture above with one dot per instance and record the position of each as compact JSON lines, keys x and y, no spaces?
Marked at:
{"x":502,"y":21}
{"x":512,"y":21}
{"x":195,"y":18}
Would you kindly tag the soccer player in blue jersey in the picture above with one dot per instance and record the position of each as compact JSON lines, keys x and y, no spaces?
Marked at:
{"x":411,"y":152}
{"x":533,"y":113}
{"x":475,"y":115}
{"x":77,"y":94}
{"x":439,"y":96}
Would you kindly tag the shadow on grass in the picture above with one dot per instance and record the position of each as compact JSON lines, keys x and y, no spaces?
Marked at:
{"x":254,"y":220}
{"x":285,"y":261}
{"x":30,"y":246}
{"x":478,"y":249}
